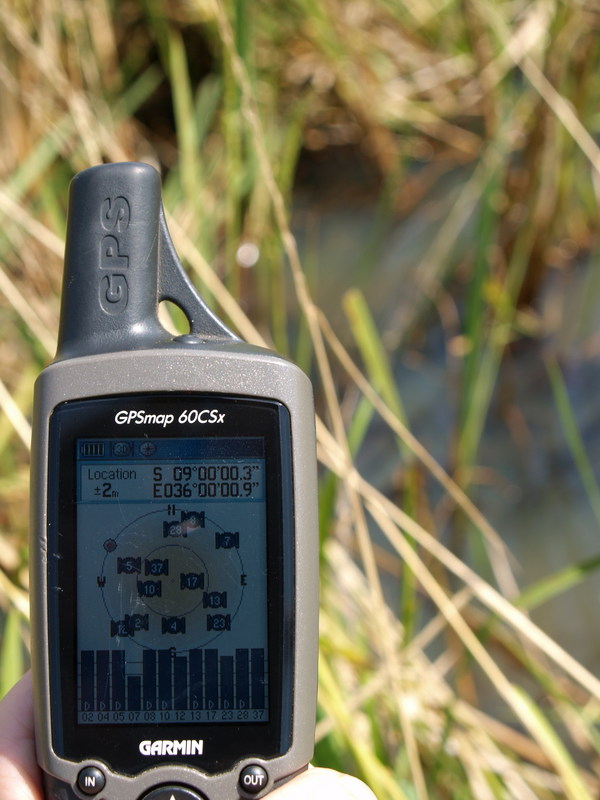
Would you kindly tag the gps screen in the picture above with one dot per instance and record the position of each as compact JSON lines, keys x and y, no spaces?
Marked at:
{"x":172,"y":615}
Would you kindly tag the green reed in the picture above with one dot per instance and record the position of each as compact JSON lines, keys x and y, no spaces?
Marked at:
{"x":479,"y":117}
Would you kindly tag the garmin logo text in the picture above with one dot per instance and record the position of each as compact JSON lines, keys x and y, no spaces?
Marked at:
{"x":206,"y":416}
{"x":172,"y":747}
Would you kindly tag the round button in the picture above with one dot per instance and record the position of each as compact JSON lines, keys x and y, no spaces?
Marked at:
{"x":253,"y":779}
{"x":173,"y":793}
{"x":91,"y":780}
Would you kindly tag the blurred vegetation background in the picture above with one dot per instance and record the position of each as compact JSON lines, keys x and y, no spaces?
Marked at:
{"x":402,"y":195}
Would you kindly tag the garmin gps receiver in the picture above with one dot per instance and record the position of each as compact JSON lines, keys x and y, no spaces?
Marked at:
{"x":174,"y":529}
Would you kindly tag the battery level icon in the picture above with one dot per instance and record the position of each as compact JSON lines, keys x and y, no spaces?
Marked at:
{"x":92,"y":449}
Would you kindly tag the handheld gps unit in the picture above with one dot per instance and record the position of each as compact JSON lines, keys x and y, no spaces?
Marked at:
{"x":174,"y":531}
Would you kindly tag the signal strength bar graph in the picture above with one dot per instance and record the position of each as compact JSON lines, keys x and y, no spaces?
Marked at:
{"x":198,"y":680}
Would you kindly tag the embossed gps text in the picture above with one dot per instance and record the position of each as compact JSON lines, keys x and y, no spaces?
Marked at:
{"x":115,"y":213}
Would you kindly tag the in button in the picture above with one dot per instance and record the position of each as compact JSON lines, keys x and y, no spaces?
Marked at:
{"x":91,"y":780}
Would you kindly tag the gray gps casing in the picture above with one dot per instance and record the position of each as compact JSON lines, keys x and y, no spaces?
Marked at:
{"x":119,"y":264}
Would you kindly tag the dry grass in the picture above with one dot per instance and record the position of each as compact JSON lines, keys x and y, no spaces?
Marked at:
{"x":225,"y":98}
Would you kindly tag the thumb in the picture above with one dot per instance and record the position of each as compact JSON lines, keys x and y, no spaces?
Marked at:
{"x":323,"y":784}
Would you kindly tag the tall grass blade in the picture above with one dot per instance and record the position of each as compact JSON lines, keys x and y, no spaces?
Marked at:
{"x":366,"y":335}
{"x":371,"y":770}
{"x":558,"y":582}
{"x":382,"y":379}
{"x":573,"y":436}
{"x":183,"y":104}
{"x":12,"y":662}
{"x":570,"y":772}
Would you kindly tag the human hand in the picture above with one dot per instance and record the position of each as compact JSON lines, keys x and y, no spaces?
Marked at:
{"x":323,"y":784}
{"x":20,"y":777}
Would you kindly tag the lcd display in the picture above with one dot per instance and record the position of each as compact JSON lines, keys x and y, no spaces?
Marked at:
{"x":172,"y":615}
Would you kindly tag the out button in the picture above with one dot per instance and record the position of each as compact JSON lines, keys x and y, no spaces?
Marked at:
{"x":253,"y":779}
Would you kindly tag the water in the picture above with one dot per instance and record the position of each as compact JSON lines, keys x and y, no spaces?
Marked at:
{"x":533,"y":495}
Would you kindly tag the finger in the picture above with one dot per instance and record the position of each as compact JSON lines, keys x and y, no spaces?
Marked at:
{"x":19,"y":774}
{"x":323,"y":784}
